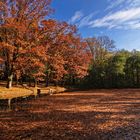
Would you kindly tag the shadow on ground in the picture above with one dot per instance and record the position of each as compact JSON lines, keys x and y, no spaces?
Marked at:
{"x":87,"y":115}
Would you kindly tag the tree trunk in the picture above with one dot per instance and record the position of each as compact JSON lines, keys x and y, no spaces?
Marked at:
{"x":73,"y":80}
{"x":138,"y":77}
{"x":30,"y":82}
{"x":9,"y":81}
{"x":35,"y":84}
{"x":16,"y":80}
{"x":47,"y":80}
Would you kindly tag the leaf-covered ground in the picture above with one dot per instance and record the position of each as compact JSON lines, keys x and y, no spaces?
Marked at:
{"x":81,"y":115}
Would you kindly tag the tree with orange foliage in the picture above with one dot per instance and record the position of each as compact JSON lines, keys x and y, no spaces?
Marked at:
{"x":67,"y":53}
{"x":29,"y":44}
{"x":19,"y":38}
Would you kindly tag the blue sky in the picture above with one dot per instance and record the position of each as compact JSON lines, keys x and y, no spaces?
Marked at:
{"x":118,"y":19}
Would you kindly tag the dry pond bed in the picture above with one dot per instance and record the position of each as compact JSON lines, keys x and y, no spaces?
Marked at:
{"x":80,"y":115}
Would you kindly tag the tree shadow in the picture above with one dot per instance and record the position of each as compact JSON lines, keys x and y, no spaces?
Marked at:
{"x":74,"y":116}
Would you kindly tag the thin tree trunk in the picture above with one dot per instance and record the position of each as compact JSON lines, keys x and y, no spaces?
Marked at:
{"x":47,"y":80}
{"x":35,"y":84}
{"x":138,"y":77}
{"x":16,"y":80}
{"x":133,"y":75}
{"x":9,"y":81}
{"x":30,"y":83}
{"x":73,"y":80}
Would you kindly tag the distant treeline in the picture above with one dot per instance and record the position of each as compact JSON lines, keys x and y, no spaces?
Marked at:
{"x":111,"y":68}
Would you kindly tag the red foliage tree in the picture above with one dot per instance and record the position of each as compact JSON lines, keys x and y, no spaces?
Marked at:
{"x":19,"y":40}
{"x":67,"y":52}
{"x":29,"y":44}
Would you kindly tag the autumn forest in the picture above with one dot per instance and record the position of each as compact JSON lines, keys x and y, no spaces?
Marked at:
{"x":39,"y":54}
{"x":34,"y":48}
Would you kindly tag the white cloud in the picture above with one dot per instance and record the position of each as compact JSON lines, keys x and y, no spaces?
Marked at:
{"x":134,"y":3}
{"x":120,"y":19}
{"x":121,"y":14}
{"x":76,"y":17}
{"x":86,"y":20}
{"x":123,"y":3}
{"x":114,"y":4}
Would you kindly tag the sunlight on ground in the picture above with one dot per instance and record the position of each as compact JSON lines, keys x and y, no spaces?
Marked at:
{"x":109,"y":115}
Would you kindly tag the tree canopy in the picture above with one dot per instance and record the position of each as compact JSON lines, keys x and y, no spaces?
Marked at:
{"x":34,"y":47}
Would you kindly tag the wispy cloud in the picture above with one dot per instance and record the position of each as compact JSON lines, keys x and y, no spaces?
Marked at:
{"x":76,"y":17}
{"x":127,"y":16}
{"x":133,"y":3}
{"x":120,"y":19}
{"x":123,"y":4}
{"x":115,"y":4}
{"x":86,"y":20}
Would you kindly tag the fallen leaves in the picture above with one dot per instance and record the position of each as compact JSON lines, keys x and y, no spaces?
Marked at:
{"x":75,"y":116}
